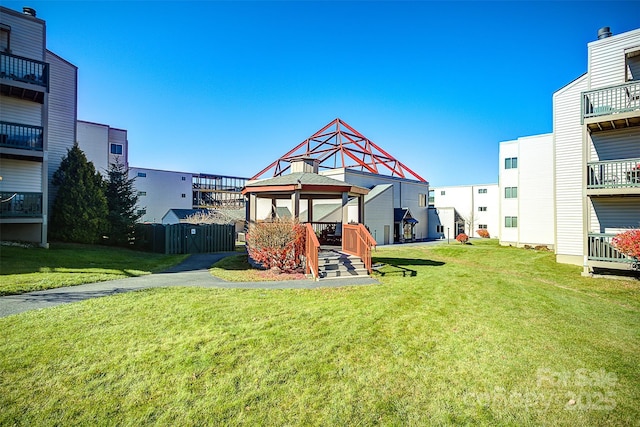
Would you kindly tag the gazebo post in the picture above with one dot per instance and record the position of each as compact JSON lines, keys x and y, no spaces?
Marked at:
{"x":345,"y":210}
{"x":310,"y":210}
{"x":360,"y":209}
{"x":295,"y":204}
{"x":253,"y":207}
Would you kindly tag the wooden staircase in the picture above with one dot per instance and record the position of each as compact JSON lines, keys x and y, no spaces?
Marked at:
{"x":335,"y":264}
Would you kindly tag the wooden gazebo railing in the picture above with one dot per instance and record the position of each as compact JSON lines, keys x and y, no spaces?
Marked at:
{"x":356,"y":240}
{"x":312,"y":246}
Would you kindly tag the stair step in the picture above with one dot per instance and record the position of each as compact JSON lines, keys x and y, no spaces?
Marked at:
{"x":342,"y":273}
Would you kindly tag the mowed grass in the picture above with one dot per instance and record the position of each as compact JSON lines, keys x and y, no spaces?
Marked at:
{"x":32,"y":269}
{"x":474,"y":334}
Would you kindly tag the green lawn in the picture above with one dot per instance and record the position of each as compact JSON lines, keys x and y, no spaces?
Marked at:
{"x":32,"y":269}
{"x":474,"y":334}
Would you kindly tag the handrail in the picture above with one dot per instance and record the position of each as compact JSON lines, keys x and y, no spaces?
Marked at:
{"x":610,"y":100}
{"x":600,"y":248}
{"x":613,"y":173}
{"x":13,"y":205}
{"x":23,"y":69}
{"x":312,"y":247}
{"x":16,"y":135}
{"x":362,"y":245}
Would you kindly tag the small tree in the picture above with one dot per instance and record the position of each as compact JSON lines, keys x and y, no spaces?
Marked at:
{"x":121,"y":200}
{"x":79,"y":212}
{"x":277,"y":244}
{"x":628,"y":243}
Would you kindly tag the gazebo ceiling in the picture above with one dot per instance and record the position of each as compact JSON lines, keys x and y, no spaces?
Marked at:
{"x":338,"y":145}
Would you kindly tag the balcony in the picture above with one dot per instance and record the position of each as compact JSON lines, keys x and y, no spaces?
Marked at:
{"x":20,"y":205}
{"x":613,"y":177}
{"x":613,"y":107}
{"x":23,"y":78}
{"x":25,"y":137}
{"x":603,"y":255}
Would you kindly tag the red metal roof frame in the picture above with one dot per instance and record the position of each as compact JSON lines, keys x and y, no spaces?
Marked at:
{"x":347,"y":147}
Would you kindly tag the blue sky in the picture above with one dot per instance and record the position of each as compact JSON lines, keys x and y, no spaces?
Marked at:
{"x":228,"y":87}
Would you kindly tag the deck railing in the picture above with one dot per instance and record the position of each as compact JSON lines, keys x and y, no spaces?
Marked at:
{"x":312,"y":246}
{"x":610,"y":100}
{"x":24,"y":70}
{"x":601,"y":249}
{"x":19,"y":205}
{"x":614,"y":174}
{"x":356,"y":240}
{"x":15,"y":135}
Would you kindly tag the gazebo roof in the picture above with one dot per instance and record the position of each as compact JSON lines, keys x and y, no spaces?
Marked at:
{"x":303,"y":181}
{"x":338,"y":145}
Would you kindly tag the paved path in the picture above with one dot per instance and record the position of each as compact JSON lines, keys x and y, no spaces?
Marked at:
{"x":191,"y":272}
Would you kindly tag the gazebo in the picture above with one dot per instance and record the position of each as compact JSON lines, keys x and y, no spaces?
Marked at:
{"x":300,"y":189}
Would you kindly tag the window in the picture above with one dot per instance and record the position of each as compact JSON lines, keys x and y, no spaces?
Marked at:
{"x":632,"y":62}
{"x":184,"y":179}
{"x":511,"y":192}
{"x":422,"y":200}
{"x":183,"y":195}
{"x":482,"y":191}
{"x":431,"y":196}
{"x":482,"y":208}
{"x":482,"y":226}
{"x":142,"y":174}
{"x":116,"y":148}
{"x":439,"y":228}
{"x":511,"y":163}
{"x":142,"y":193}
{"x":5,"y":38}
{"x":510,"y":221}
{"x":142,"y":211}
{"x":442,"y":193}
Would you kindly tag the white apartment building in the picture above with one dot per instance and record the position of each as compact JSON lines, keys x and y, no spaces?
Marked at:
{"x":102,"y":144}
{"x":464,"y":209}
{"x":38,"y":92}
{"x":396,"y":209}
{"x":596,"y":127}
{"x":526,"y":191}
{"x":159,"y":190}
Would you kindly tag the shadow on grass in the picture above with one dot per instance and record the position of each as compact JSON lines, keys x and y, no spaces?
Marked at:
{"x":399,"y":266}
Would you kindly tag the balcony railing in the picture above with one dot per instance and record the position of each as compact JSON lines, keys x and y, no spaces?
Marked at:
{"x":614,"y":174}
{"x":20,"y":205}
{"x":600,"y":249}
{"x":24,"y":70}
{"x":15,"y":135}
{"x":611,"y":100}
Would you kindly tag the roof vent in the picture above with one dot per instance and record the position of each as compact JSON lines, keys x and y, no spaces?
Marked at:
{"x":603,"y":33}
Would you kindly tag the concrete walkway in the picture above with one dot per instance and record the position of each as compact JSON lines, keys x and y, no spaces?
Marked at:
{"x":191,"y":272}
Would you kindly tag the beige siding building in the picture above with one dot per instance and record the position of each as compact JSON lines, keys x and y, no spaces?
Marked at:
{"x":102,"y":144}
{"x":597,"y":153}
{"x":37,"y":126}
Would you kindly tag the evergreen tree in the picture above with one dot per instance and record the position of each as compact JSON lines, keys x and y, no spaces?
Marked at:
{"x":79,"y":211}
{"x":121,"y":200}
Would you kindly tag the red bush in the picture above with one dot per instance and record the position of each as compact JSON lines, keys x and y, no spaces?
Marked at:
{"x":483,"y":233}
{"x":462,"y":238}
{"x":628,"y":243}
{"x":277,"y":244}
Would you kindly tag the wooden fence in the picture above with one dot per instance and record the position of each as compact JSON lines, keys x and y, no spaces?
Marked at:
{"x":185,"y":238}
